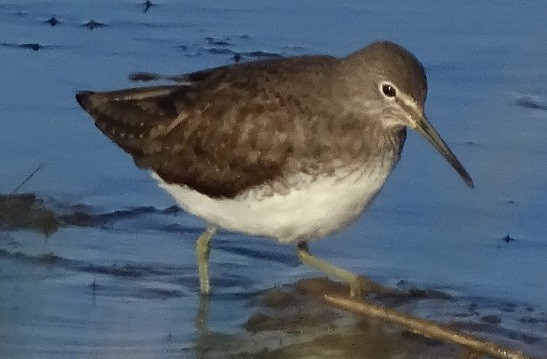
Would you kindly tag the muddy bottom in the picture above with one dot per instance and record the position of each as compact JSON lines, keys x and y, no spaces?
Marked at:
{"x":296,"y":322}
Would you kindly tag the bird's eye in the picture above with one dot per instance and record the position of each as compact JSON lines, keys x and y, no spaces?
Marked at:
{"x":389,"y":90}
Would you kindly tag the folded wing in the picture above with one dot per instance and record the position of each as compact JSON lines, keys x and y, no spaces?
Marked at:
{"x":218,"y":131}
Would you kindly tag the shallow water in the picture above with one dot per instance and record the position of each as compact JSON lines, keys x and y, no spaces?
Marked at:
{"x":99,"y":263}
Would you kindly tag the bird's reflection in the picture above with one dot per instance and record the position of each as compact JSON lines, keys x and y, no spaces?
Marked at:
{"x":202,"y":327}
{"x":203,"y":314}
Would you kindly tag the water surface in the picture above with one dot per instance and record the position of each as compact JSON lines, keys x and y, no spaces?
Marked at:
{"x":99,"y":264}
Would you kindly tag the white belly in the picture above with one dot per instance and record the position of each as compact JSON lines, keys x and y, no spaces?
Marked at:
{"x":311,"y":210}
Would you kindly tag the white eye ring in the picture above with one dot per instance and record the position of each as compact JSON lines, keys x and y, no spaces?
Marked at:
{"x":388,"y":90}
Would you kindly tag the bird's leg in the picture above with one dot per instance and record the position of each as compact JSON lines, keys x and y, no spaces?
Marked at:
{"x":357,"y":284}
{"x":203,"y":247}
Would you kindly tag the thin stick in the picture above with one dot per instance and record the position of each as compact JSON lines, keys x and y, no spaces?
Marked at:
{"x":426,"y":328}
{"x":27,"y":179}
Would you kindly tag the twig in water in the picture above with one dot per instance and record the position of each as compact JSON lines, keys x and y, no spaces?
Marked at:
{"x":27,"y":179}
{"x":426,"y":328}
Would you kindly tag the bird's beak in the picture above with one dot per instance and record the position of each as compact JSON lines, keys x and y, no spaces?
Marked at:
{"x":420,"y":124}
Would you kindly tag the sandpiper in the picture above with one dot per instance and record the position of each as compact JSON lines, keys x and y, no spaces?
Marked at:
{"x":291,"y":149}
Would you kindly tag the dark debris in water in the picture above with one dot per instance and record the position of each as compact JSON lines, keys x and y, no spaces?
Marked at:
{"x":32,"y":46}
{"x":53,"y":21}
{"x":92,"y":24}
{"x":508,"y":239}
{"x":238,"y":56}
{"x":227,"y":46}
{"x":533,"y":102}
{"x":147,"y":5}
{"x":262,"y":54}
{"x":35,"y":46}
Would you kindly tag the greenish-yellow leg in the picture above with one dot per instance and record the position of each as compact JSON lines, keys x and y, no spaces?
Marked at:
{"x":203,"y":247}
{"x":357,"y":284}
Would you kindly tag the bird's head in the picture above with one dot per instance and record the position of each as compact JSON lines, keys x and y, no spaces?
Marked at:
{"x":395,"y":87}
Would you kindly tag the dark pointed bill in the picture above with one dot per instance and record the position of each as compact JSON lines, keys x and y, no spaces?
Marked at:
{"x":423,"y":127}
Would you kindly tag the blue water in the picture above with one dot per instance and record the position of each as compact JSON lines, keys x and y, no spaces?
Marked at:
{"x":487,"y":97}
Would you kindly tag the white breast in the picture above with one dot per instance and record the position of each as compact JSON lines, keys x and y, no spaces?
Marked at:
{"x":312,"y":209}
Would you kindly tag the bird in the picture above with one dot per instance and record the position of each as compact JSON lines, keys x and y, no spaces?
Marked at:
{"x":291,"y":149}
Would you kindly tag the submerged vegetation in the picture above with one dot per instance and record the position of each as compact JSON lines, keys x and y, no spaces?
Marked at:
{"x":26,"y":211}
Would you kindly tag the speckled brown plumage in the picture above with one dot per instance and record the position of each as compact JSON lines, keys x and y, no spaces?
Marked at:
{"x":292,"y":149}
{"x":224,"y":130}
